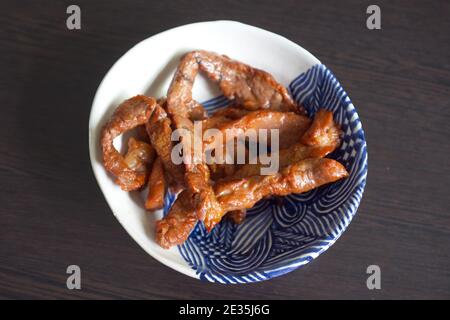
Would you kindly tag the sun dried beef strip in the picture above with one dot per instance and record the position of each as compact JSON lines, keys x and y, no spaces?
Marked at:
{"x":129,"y":114}
{"x":156,"y":187}
{"x":242,"y":194}
{"x":160,"y":132}
{"x":248,"y":87}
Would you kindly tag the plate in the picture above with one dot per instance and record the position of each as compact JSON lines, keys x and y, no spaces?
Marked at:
{"x":275,"y":238}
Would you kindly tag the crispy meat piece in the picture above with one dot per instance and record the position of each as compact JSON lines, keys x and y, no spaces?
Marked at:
{"x":323,"y":131}
{"x":139,"y":156}
{"x":128,"y":115}
{"x":291,"y":125}
{"x":294,"y":153}
{"x":214,"y":122}
{"x":160,"y":131}
{"x":176,"y":226}
{"x":197,"y":172}
{"x":183,"y":110}
{"x":241,"y":194}
{"x":156,"y":186}
{"x":299,"y":177}
{"x":231,"y":112}
{"x":249,"y":87}
{"x":222,"y":171}
{"x":179,"y":96}
{"x":322,"y":138}
{"x":142,"y":134}
{"x":205,"y":202}
{"x":217,"y":170}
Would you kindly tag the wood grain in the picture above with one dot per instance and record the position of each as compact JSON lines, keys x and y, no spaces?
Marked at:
{"x":53,"y":213}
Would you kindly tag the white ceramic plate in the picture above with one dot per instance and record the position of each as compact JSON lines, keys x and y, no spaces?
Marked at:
{"x":147,"y":68}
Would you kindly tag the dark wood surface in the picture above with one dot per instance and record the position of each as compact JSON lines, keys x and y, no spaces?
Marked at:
{"x":52,"y":213}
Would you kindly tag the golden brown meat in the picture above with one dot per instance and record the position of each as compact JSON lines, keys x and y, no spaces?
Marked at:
{"x":203,"y":197}
{"x":159,"y":130}
{"x":242,"y":194}
{"x":321,"y":138}
{"x":128,"y":115}
{"x":249,"y":87}
{"x":294,"y":153}
{"x":139,"y":156}
{"x":197,"y":178}
{"x":218,"y":169}
{"x":231,"y":112}
{"x":214,"y":121}
{"x":221,"y":171}
{"x":184,"y":109}
{"x":291,"y":126}
{"x":299,"y":177}
{"x":323,"y":130}
{"x":179,"y":96}
{"x":142,"y":134}
{"x":156,"y":187}
{"x":176,"y":226}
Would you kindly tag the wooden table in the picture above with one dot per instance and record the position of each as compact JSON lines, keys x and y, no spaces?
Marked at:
{"x":54,"y":215}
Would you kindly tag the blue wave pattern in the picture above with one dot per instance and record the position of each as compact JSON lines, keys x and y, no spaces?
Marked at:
{"x":280,"y":235}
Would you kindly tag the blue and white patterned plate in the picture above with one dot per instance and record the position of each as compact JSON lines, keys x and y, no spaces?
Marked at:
{"x":276,"y":237}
